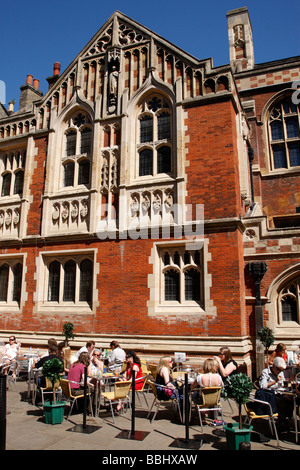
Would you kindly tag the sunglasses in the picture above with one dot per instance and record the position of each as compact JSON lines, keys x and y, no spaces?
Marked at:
{"x":97,"y":355}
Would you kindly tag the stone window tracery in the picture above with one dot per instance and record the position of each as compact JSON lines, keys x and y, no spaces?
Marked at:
{"x":284,"y":134}
{"x":155,"y":138}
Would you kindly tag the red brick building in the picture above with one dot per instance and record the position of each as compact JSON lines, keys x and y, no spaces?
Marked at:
{"x":137,"y":191}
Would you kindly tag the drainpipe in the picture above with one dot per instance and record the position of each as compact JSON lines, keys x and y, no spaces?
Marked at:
{"x":257,"y":270}
{"x":251,"y":158}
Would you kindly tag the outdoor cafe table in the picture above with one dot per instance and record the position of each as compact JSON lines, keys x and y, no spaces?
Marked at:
{"x":108,"y":380}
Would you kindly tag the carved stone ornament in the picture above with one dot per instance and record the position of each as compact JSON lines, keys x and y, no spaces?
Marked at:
{"x":74,"y":210}
{"x":8,"y":218}
{"x":65,"y":212}
{"x":55,"y":213}
{"x":157,"y":202}
{"x":1,"y":218}
{"x":169,"y":200}
{"x":16,"y":218}
{"x":84,"y":209}
{"x":134,"y":206}
{"x":146,"y":202}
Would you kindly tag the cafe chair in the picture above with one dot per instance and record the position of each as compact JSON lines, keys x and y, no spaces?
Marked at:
{"x":157,"y":401}
{"x":152,"y":369}
{"x":143,"y":391}
{"x":121,"y":393}
{"x":22,"y":365}
{"x":67,"y":392}
{"x":47,"y":390}
{"x":210,"y":401}
{"x":10,"y":370}
{"x":270,"y":416}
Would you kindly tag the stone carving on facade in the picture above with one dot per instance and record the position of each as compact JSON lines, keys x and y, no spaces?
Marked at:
{"x":16,"y":216}
{"x":157,"y":201}
{"x":135,"y":205}
{"x":128,"y":35}
{"x":67,"y":212}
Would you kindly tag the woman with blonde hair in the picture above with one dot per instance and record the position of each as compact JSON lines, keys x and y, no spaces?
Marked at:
{"x":209,"y":378}
{"x":164,"y":378}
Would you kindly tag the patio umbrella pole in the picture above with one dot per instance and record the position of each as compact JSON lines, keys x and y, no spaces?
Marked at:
{"x":133,"y":404}
{"x":186,"y":407}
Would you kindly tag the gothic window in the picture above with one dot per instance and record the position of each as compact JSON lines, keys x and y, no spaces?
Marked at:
{"x":154,"y":145}
{"x":284,"y":134}
{"x":77,"y":153}
{"x":70,"y":281}
{"x":289,"y":302}
{"x":181,"y":271}
{"x":10,"y":281}
{"x":12,"y":173}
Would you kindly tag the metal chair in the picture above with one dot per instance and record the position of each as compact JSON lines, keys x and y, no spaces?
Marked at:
{"x":144,"y":390}
{"x":10,"y":370}
{"x":210,"y":401}
{"x":157,"y":401}
{"x":49,"y":390}
{"x":67,"y":392}
{"x":251,"y":415}
{"x":152,"y":368}
{"x":121,"y":393}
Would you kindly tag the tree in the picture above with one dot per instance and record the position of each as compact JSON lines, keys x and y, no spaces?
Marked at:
{"x":238,"y":387}
{"x":266,"y":336}
{"x":52,"y":370}
{"x":68,"y":329}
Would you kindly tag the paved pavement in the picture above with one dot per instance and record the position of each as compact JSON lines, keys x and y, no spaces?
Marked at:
{"x":26,"y":430}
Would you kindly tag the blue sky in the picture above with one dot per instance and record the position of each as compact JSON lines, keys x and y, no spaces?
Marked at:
{"x":36,"y":34}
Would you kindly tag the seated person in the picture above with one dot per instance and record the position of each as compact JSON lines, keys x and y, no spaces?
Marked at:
{"x":116,"y":358}
{"x":280,"y":351}
{"x":96,"y":368}
{"x":209,"y":378}
{"x":227,"y":366}
{"x":89,"y":347}
{"x":272,"y":378}
{"x":76,"y":373}
{"x":10,"y":353}
{"x":53,"y":351}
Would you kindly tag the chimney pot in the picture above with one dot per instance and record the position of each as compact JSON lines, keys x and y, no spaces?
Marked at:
{"x":36,"y":83}
{"x":56,"y":68}
{"x":29,"y":79}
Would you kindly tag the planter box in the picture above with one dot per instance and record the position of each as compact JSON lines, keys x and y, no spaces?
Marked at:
{"x":54,"y":414}
{"x":234,"y":435}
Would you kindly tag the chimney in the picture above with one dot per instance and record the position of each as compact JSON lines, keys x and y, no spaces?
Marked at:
{"x":11,"y":105}
{"x":29,"y":93}
{"x":51,"y":80}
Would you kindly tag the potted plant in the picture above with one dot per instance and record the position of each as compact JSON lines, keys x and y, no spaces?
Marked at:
{"x":54,"y":409}
{"x":266,"y":336}
{"x":238,"y":387}
{"x":68,"y":329}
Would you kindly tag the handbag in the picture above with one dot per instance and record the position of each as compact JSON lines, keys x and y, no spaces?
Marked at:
{"x":168,"y":392}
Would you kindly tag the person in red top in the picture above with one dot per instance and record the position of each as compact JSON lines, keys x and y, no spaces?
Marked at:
{"x":280,"y":351}
{"x":133,"y":364}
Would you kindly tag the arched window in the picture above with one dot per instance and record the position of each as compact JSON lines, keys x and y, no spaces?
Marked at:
{"x":289,"y":302}
{"x":71,"y":138}
{"x":69,"y":169}
{"x":69,"y":281}
{"x":182,"y":275}
{"x":172,"y":285}
{"x":11,"y":281}
{"x":19,"y":180}
{"x":54,"y":281}
{"x":86,"y":280}
{"x":4,"y":272}
{"x":284,"y":134}
{"x":155,"y":138}
{"x":86,"y":140}
{"x":6,"y":182}
{"x":84,"y":172}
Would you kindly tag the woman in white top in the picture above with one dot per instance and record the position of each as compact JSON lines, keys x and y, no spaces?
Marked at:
{"x":209,"y":378}
{"x":10,"y":353}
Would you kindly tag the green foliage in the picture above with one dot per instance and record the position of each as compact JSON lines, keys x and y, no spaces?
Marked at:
{"x":68,"y":329}
{"x":238,"y":387}
{"x":266,"y":336}
{"x":52,"y":370}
